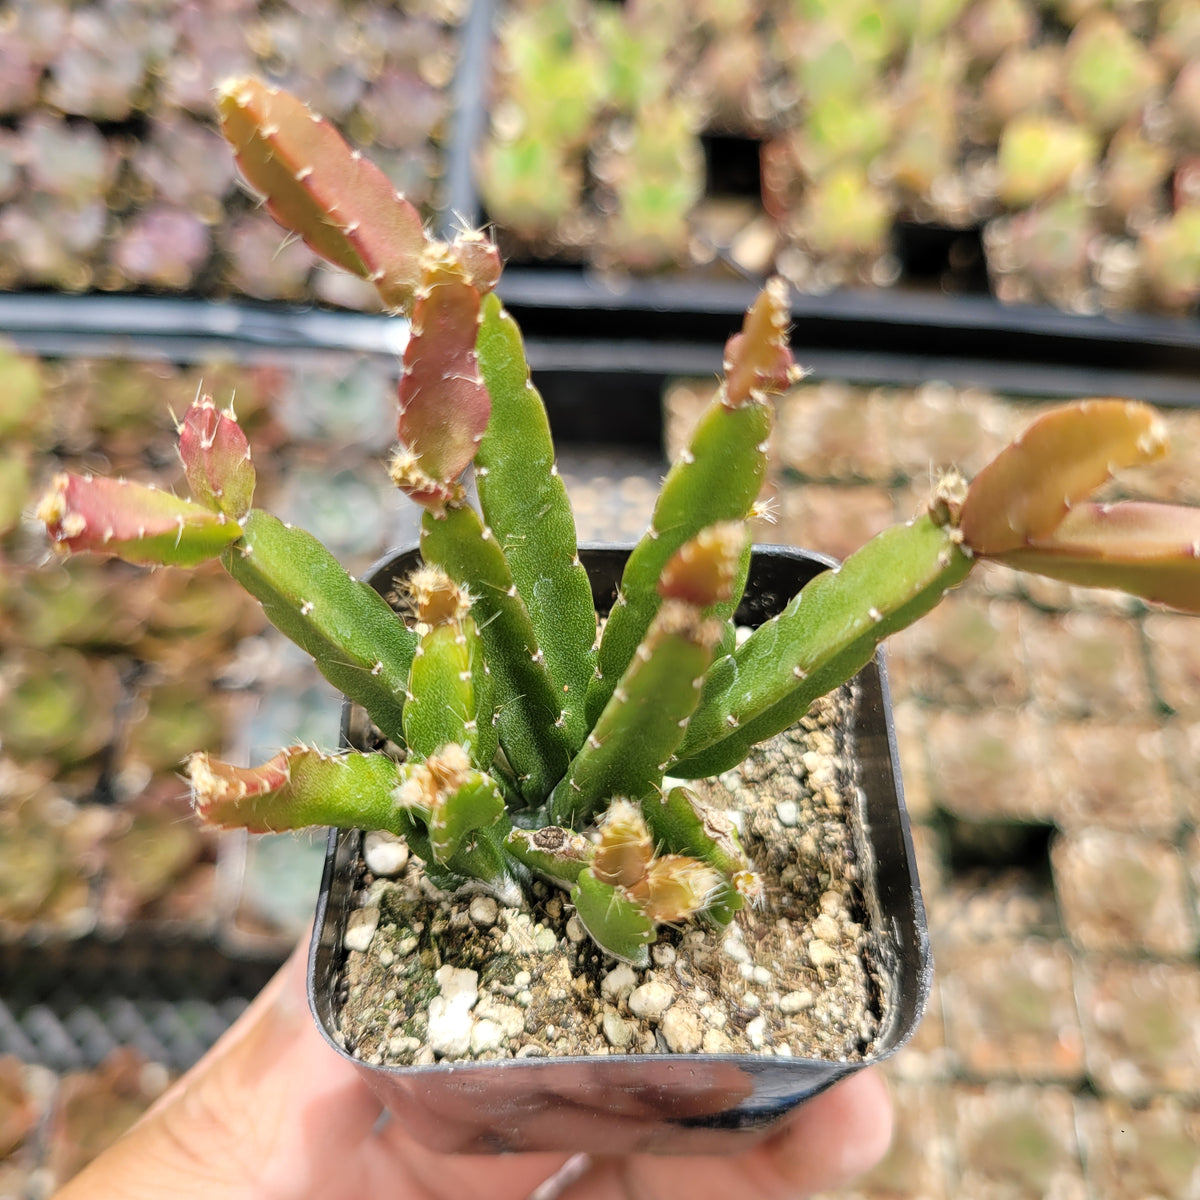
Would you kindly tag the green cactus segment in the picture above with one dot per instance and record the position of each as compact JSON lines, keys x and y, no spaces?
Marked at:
{"x":822,"y":638}
{"x":444,"y":405}
{"x":449,"y":687}
{"x":131,"y":521}
{"x":481,"y":856}
{"x":643,"y":722}
{"x":1027,"y":489}
{"x":216,"y":459}
{"x":724,"y":610}
{"x":451,"y":799}
{"x":683,"y":825}
{"x":440,"y":706}
{"x":357,"y":641}
{"x":557,"y":853}
{"x":679,"y":823}
{"x":528,"y":706}
{"x":484,"y":736}
{"x":297,"y":788}
{"x":717,"y":479}
{"x":1147,"y":550}
{"x":526,"y":506}
{"x":343,"y":206}
{"x":615,"y":923}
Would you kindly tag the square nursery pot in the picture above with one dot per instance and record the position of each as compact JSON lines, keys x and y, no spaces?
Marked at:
{"x":661,"y":1102}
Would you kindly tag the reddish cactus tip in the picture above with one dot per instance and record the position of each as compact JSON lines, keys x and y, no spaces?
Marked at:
{"x":758,"y":361}
{"x":703,"y":570}
{"x":444,"y":405}
{"x":343,"y":206}
{"x":239,"y":88}
{"x":479,"y":258}
{"x":216,"y":459}
{"x":1139,"y":547}
{"x":221,"y":792}
{"x":131,"y":521}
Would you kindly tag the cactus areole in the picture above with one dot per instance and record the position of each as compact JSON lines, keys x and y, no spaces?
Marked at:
{"x":517,"y":749}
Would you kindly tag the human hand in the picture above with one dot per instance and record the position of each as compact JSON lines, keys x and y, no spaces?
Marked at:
{"x":271,"y":1113}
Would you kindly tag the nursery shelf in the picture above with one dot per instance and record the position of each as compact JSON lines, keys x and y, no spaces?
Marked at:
{"x":587,"y":327}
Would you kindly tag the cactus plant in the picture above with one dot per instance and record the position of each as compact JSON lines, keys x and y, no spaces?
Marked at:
{"x":1022,"y":81}
{"x":73,"y":162}
{"x":528,"y":186}
{"x":515,"y":742}
{"x":1109,"y":74}
{"x":163,"y":247}
{"x":657,"y":176}
{"x":1170,"y":260}
{"x":844,"y":216}
{"x":1040,"y":156}
{"x":991,"y":28}
{"x":101,"y":66}
{"x":1043,"y":253}
{"x":1134,"y":177}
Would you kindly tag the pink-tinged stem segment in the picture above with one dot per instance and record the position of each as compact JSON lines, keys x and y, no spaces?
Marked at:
{"x":704,"y":570}
{"x":344,"y":207}
{"x":1030,"y":486}
{"x":444,"y":405}
{"x":1148,"y":550}
{"x":297,"y":788}
{"x":758,"y":360}
{"x":478,"y":258}
{"x":132,"y":521}
{"x":216,"y":459}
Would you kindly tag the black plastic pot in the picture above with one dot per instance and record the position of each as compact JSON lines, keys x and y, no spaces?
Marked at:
{"x":646,"y":1102}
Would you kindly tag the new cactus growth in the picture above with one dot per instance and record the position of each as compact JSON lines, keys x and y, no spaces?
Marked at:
{"x":516,"y":741}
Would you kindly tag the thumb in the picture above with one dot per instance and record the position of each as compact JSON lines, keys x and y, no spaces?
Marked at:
{"x":257,"y":1116}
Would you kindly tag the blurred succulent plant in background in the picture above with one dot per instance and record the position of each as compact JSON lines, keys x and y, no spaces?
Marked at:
{"x":1170,"y":259}
{"x":101,"y":104}
{"x":956,"y":114}
{"x":867,"y":119}
{"x":511,"y":739}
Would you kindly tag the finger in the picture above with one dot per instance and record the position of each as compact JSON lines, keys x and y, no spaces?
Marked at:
{"x":833,"y":1138}
{"x":315,"y":1122}
{"x":433,"y":1176}
{"x":839,"y":1136}
{"x":261,"y":1115}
